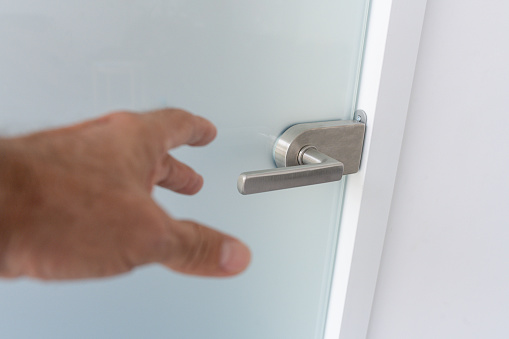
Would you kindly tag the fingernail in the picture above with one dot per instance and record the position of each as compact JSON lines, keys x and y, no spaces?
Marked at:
{"x":235,"y":256}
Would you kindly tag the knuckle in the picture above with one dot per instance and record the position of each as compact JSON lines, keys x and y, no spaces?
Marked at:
{"x":128,"y":122}
{"x":122,"y":116}
{"x":132,"y":124}
{"x":179,"y":112}
{"x":182,"y":118}
{"x":199,"y":250}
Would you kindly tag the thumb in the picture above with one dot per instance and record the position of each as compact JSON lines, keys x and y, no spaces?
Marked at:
{"x":199,"y":250}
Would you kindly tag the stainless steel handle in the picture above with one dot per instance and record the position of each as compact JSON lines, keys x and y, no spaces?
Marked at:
{"x":315,"y":168}
{"x":310,"y":153}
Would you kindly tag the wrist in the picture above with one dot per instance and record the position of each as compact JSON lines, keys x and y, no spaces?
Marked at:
{"x":16,"y":191}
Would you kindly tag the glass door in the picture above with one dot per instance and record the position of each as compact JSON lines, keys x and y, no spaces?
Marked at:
{"x":251,"y":67}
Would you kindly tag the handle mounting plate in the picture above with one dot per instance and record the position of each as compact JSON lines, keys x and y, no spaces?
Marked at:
{"x":341,"y":140}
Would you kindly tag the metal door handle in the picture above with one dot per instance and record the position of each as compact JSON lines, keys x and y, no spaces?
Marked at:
{"x":314,"y":168}
{"x":309,"y":154}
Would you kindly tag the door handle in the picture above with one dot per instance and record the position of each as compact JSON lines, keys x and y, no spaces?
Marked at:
{"x":309,"y":154}
{"x":314,"y":168}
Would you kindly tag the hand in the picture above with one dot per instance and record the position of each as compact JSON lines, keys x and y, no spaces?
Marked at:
{"x":76,"y":202}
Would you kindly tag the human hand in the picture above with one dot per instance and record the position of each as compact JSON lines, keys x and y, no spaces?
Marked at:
{"x":76,"y":202}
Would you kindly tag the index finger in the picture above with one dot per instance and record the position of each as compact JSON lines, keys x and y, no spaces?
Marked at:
{"x":175,"y":127}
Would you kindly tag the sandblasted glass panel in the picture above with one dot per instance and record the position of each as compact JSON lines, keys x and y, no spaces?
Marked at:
{"x":253,"y":68}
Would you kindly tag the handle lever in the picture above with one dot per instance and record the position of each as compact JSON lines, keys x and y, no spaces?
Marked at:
{"x":314,"y":168}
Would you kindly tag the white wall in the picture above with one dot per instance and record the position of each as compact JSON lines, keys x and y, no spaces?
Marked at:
{"x":445,"y":266}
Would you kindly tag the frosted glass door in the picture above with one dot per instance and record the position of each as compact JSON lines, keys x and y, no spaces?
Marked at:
{"x":253,"y":68}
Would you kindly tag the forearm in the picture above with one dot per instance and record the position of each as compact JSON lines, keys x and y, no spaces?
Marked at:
{"x":6,"y":197}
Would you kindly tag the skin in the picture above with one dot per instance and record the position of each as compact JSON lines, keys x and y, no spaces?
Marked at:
{"x":76,"y":203}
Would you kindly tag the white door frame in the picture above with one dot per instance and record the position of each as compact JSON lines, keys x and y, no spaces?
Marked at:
{"x":392,"y":43}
